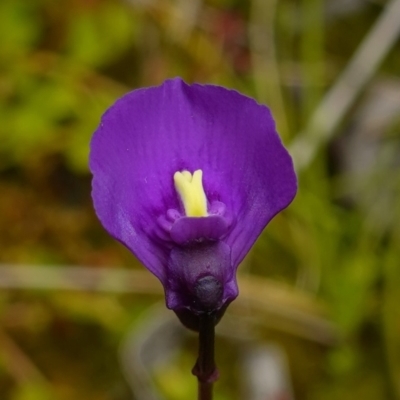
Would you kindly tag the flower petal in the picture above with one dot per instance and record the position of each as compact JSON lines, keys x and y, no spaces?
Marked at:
{"x":149,"y":134}
{"x":186,"y":230}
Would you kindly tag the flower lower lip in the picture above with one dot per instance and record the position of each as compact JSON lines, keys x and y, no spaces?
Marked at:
{"x":187,"y":177}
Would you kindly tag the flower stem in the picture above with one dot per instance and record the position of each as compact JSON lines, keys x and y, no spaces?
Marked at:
{"x":205,"y":368}
{"x":205,"y":391}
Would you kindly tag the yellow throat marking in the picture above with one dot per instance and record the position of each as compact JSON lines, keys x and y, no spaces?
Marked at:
{"x":191,"y":191}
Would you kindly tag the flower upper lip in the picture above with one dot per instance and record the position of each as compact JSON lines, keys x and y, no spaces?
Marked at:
{"x":184,"y":230}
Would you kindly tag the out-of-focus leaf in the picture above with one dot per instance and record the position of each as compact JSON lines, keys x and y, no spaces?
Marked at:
{"x":19,"y":28}
{"x":32,"y":391}
{"x":98,"y":36}
{"x":391,"y":314}
{"x":350,"y":290}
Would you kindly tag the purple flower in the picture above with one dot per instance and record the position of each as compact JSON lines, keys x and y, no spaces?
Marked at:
{"x":187,"y":177}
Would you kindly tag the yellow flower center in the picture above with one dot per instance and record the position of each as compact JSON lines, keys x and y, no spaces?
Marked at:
{"x":190,"y":189}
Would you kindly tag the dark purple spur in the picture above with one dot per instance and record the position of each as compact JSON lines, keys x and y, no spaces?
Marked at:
{"x":187,"y":177}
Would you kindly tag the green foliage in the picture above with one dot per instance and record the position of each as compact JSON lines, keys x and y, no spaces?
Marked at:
{"x":32,"y":392}
{"x":19,"y":29}
{"x":98,"y":38}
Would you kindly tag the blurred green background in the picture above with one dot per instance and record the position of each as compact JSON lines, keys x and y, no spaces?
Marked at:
{"x":323,"y":281}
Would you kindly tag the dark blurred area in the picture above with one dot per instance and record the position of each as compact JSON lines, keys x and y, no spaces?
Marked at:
{"x":317,"y":316}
